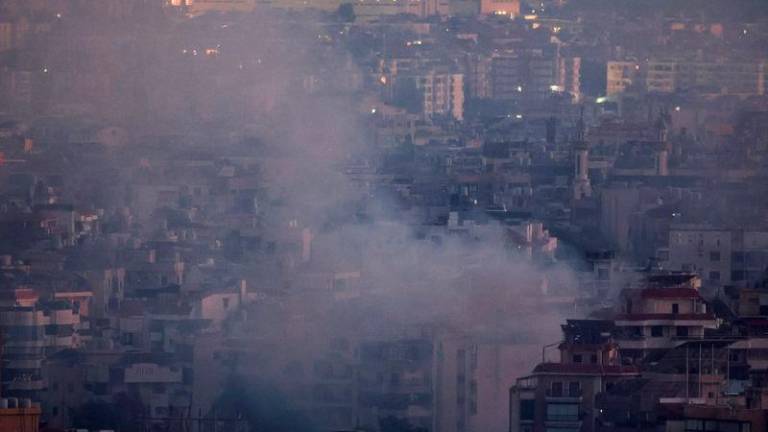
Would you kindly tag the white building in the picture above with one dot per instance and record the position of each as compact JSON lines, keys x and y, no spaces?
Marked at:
{"x":720,"y":256}
{"x":443,"y":94}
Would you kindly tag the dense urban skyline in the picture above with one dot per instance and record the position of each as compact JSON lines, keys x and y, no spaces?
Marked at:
{"x":383,"y":216}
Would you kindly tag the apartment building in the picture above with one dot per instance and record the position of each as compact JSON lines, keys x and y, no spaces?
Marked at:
{"x":560,"y":396}
{"x":662,"y":314}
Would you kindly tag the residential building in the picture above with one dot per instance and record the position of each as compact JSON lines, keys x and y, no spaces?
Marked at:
{"x":196,"y":7}
{"x":560,"y":396}
{"x":510,"y":8}
{"x":665,"y":312}
{"x":621,"y":76}
{"x":443,"y":94}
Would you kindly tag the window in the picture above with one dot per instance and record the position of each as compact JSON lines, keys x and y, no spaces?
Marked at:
{"x":577,"y":358}
{"x":473,"y":397}
{"x":657,"y":331}
{"x":737,"y":257}
{"x":562,"y":412}
{"x":557,"y":389}
{"x":527,"y":409}
{"x":593,"y":359}
{"x":714,"y":275}
{"x":574,"y":389}
{"x":714,"y":256}
{"x":696,"y":425}
{"x":675,"y":308}
{"x":225,"y":303}
{"x":603,"y":274}
{"x":681,"y":331}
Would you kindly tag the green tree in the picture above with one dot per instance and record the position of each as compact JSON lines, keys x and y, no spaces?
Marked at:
{"x":346,"y":13}
{"x":394,"y":424}
{"x":261,"y":405}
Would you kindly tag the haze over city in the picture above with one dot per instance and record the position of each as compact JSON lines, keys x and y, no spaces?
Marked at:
{"x":383,"y":215}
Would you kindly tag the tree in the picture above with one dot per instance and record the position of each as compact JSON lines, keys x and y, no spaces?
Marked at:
{"x":95,"y":415}
{"x":346,"y":13}
{"x":261,"y":405}
{"x":407,"y":95}
{"x":394,"y":424}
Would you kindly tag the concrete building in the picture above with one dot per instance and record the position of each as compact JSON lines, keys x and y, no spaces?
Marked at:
{"x":19,"y":415}
{"x":396,"y":378}
{"x":32,"y":333}
{"x":581,"y":185}
{"x":617,"y":203}
{"x":560,"y":396}
{"x":472,"y":381}
{"x":721,"y":256}
{"x":739,"y":78}
{"x":620,"y":76}
{"x":682,"y":416}
{"x":530,"y":74}
{"x":664,"y":313}
{"x":733,"y":78}
{"x":443,"y":94}
{"x":197,"y":7}
{"x":510,"y":8}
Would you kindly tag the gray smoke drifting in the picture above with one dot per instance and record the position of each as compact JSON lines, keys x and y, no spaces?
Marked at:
{"x":272,"y":89}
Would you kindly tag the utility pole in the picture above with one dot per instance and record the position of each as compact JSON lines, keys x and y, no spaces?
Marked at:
{"x":700,"y":383}
{"x":687,"y":387}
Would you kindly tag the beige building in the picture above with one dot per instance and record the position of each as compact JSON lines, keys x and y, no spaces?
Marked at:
{"x":620,"y":75}
{"x":664,"y":313}
{"x":720,"y":256}
{"x":500,"y":7}
{"x":327,"y":5}
{"x":668,"y":76}
{"x":443,"y":94}
{"x":197,"y":7}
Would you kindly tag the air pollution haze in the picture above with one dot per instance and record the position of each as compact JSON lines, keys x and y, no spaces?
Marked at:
{"x":400,"y":281}
{"x":383,"y":216}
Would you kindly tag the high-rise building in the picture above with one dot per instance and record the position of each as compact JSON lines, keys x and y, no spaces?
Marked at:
{"x":443,"y":94}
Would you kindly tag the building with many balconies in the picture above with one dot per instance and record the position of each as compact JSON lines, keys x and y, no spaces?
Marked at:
{"x":665,"y":312}
{"x":560,"y":396}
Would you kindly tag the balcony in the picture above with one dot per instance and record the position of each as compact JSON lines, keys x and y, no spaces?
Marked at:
{"x":641,"y":342}
{"x":25,"y":385}
{"x":564,"y":420}
{"x":527,"y":383}
{"x":564,"y":395}
{"x":23,"y":363}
